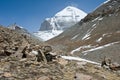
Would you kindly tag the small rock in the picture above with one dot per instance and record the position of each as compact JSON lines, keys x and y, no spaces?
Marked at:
{"x":1,"y":72}
{"x":80,"y":76}
{"x":7,"y":74}
{"x":44,"y":78}
{"x":62,"y":61}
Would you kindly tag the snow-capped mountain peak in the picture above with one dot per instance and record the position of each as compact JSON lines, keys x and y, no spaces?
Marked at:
{"x":60,"y":22}
{"x":71,"y":11}
{"x":63,"y":19}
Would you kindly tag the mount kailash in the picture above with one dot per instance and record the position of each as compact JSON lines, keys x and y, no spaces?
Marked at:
{"x":62,"y":20}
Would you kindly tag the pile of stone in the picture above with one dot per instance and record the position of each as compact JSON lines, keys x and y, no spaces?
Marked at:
{"x":41,"y":53}
{"x":17,"y":46}
{"x":108,"y":64}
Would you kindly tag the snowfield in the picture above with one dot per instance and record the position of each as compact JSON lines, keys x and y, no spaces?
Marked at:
{"x":79,"y":59}
{"x":81,"y":47}
{"x":46,"y":35}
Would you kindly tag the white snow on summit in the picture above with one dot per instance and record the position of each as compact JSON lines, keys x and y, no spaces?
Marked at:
{"x":71,"y":13}
{"x":62,"y":20}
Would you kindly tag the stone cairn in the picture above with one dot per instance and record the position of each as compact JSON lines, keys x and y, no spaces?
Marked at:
{"x":42,"y":53}
{"x":108,"y":64}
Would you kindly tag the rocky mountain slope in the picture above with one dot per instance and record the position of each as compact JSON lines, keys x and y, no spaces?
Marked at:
{"x":18,"y":29}
{"x":62,"y":20}
{"x":26,"y":69}
{"x":10,"y":41}
{"x":95,"y":36}
{"x":16,"y":66}
{"x":21,"y":30}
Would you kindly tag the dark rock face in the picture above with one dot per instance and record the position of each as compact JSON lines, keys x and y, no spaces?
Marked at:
{"x":58,"y":25}
{"x":44,"y":26}
{"x":50,"y":57}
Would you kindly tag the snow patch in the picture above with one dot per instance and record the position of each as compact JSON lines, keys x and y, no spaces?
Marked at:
{"x":95,"y":19}
{"x":100,"y":19}
{"x":93,"y":25}
{"x":107,"y":34}
{"x":100,"y":47}
{"x":75,"y":37}
{"x":75,"y":50}
{"x":99,"y":39}
{"x":81,"y":47}
{"x":86,"y":37}
{"x":106,"y":1}
{"x":79,"y":59}
{"x":89,"y":32}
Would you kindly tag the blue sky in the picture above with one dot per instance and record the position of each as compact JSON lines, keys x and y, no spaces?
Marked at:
{"x":31,"y":13}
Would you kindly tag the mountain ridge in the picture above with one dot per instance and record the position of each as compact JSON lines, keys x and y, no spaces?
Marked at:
{"x":98,"y":29}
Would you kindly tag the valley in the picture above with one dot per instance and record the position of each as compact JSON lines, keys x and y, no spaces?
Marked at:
{"x":71,"y":45}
